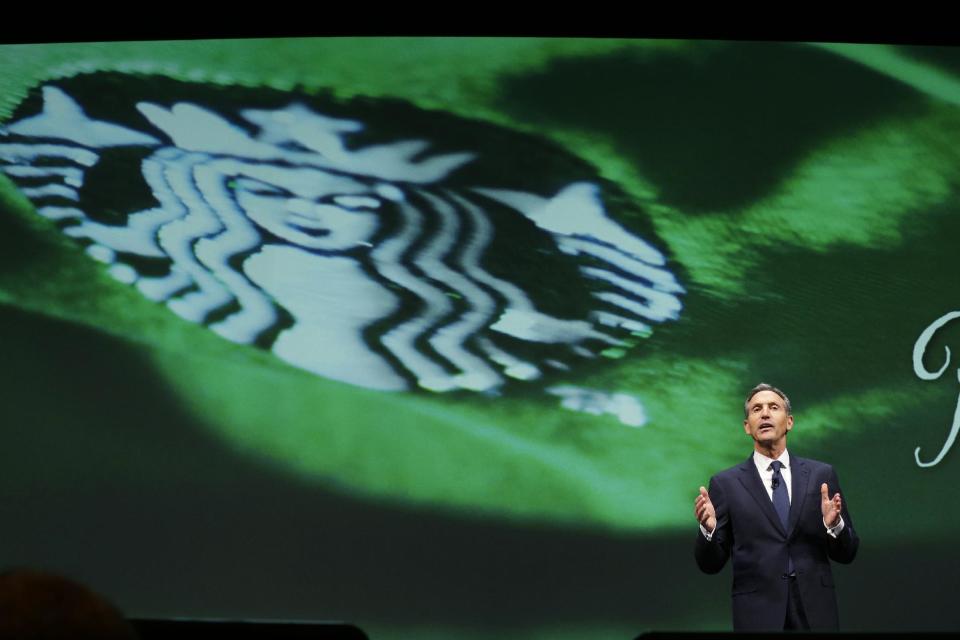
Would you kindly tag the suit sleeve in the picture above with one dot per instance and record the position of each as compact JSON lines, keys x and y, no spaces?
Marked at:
{"x":843,"y":548}
{"x":712,"y":555}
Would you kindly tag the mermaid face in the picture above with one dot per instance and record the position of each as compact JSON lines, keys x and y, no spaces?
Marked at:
{"x":307,"y":207}
{"x":248,"y":218}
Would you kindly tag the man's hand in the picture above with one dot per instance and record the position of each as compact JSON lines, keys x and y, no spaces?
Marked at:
{"x":703,"y":509}
{"x":830,"y":507}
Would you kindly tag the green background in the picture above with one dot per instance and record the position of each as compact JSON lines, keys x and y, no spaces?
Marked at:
{"x":806,"y":197}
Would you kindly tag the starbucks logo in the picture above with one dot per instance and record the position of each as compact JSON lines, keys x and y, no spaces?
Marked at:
{"x":366,"y":241}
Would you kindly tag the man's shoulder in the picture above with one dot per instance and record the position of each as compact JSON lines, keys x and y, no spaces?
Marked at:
{"x":733,"y":471}
{"x":813,"y":465}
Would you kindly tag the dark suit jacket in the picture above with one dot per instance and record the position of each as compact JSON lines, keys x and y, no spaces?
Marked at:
{"x":748,"y":529}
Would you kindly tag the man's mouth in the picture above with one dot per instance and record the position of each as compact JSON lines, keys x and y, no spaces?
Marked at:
{"x":764,"y":426}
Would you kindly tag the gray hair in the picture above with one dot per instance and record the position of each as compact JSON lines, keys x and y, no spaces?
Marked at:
{"x":763,"y":386}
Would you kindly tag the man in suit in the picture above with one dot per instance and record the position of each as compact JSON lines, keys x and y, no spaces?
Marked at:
{"x":774,"y":515}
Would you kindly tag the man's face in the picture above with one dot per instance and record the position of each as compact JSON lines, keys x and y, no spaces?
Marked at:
{"x":767,"y":420}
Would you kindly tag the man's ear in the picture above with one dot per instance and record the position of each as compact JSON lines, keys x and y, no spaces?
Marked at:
{"x":746,"y":427}
{"x":789,"y":423}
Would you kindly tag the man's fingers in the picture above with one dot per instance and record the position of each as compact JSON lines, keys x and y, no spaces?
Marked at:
{"x":824,"y":491}
{"x":702,"y":507}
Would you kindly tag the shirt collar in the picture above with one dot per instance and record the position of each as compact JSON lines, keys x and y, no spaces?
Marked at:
{"x":763,"y":462}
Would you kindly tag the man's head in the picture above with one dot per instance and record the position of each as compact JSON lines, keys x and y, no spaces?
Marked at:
{"x":763,"y":386}
{"x":768,"y":418}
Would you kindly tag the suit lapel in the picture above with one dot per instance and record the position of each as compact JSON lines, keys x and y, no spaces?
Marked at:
{"x":799,"y":481}
{"x":751,"y":481}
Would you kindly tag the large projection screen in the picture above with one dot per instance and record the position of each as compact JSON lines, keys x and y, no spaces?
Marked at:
{"x":440,"y":336}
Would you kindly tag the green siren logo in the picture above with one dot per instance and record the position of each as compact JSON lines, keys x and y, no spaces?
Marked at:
{"x":366,"y":241}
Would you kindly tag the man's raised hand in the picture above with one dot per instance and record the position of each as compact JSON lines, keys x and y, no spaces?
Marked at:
{"x":830,"y":506}
{"x":704,"y":511}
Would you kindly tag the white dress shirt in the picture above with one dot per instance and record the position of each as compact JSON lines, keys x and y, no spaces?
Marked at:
{"x":765,"y":469}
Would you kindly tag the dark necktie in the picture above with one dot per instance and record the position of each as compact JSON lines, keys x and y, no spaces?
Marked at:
{"x":781,"y":502}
